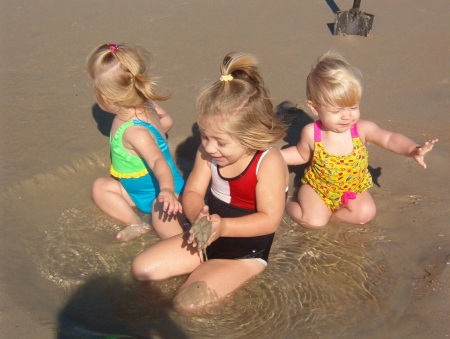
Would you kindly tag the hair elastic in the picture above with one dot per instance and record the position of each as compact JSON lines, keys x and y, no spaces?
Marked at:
{"x":113,"y":47}
{"x":227,"y":77}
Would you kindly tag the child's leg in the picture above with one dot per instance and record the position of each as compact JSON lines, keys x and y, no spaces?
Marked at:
{"x":110,"y":196}
{"x":168,"y":258}
{"x":212,"y":281}
{"x":166,"y":225}
{"x":310,"y":211}
{"x":358,"y":211}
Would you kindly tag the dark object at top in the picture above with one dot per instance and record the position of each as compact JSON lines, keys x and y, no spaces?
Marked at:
{"x":353,"y":22}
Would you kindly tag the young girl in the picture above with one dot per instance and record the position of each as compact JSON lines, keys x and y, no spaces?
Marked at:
{"x":336,"y":182}
{"x":246,"y":199}
{"x":146,"y":174}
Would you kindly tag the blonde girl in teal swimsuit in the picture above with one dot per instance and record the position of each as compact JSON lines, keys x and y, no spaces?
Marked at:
{"x":336,"y":183}
{"x":143,"y":172}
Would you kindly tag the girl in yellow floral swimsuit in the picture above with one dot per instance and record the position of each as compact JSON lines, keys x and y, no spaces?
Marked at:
{"x":335,"y":185}
{"x":338,"y":178}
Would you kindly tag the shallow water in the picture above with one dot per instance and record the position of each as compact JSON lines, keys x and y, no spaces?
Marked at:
{"x":67,"y":268}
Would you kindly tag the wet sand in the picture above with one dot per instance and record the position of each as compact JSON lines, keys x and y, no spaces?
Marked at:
{"x":54,"y":143}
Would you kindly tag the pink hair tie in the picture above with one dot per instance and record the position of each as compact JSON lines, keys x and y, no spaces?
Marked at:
{"x":113,"y":47}
{"x":347,"y":196}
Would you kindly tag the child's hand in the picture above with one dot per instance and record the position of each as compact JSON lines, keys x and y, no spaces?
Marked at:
{"x":218,"y":227}
{"x":421,"y":151}
{"x":171,"y":204}
{"x":204,"y":212}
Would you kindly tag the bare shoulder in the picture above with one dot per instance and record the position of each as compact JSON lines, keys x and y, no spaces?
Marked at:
{"x":137,"y":133}
{"x":308,"y":130}
{"x":272,"y":154}
{"x":307,"y":137}
{"x":202,"y":160}
{"x":201,"y":172}
{"x":367,"y":130}
{"x":307,"y":133}
{"x":366,"y":124}
{"x":273,"y":164}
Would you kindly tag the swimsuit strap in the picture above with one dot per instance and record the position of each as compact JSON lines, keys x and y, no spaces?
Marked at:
{"x":318,"y":131}
{"x":152,"y":128}
{"x":354,"y":131}
{"x":262,"y":157}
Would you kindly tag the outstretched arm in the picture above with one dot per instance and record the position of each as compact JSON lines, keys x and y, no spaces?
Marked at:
{"x":419,"y":153}
{"x":302,"y":152}
{"x":395,"y":142}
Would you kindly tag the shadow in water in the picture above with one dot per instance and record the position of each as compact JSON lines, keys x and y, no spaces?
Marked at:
{"x":186,"y":151}
{"x":105,"y":307}
{"x":104,"y":119}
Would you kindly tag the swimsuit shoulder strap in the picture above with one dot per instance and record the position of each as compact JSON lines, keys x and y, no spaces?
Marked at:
{"x":122,"y":129}
{"x":317,"y":131}
{"x":260,"y":155}
{"x":354,"y":131}
{"x":149,"y":126}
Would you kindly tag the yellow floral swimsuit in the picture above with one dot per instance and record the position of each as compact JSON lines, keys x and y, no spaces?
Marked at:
{"x":335,"y":178}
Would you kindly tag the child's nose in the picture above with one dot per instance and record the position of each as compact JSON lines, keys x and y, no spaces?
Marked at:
{"x":345,"y":113}
{"x":209,"y":147}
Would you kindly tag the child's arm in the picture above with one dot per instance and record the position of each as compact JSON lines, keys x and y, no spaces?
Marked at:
{"x":164,"y":117}
{"x":270,"y":196}
{"x":395,"y":142}
{"x":194,"y":193}
{"x":141,"y":141}
{"x":302,"y":152}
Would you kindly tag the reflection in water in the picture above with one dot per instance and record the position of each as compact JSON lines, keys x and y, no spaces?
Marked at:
{"x":318,"y":283}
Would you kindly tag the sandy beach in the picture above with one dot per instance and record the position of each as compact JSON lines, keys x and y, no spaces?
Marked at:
{"x":54,"y":142}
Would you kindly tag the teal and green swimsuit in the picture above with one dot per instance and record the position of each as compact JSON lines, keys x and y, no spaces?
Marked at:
{"x":133,"y":172}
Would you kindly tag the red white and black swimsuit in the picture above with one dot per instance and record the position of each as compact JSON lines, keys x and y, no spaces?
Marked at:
{"x":232,"y":198}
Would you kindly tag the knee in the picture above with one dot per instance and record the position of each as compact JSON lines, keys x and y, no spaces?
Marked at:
{"x":142,"y":270}
{"x":194,"y":298}
{"x":306,"y":218}
{"x":365,"y":214}
{"x":99,"y":187}
{"x":315,"y":222}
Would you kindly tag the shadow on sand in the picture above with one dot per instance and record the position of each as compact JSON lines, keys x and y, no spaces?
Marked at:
{"x":104,"y":120}
{"x":296,"y":119}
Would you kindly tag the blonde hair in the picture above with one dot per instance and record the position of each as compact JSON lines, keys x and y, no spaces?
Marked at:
{"x":119,"y":75}
{"x":242,"y":104}
{"x":333,"y":81}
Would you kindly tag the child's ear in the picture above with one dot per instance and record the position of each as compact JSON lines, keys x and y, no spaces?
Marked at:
{"x":312,"y":107}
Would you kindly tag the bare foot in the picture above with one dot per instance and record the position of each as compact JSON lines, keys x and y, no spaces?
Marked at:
{"x":133,"y":231}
